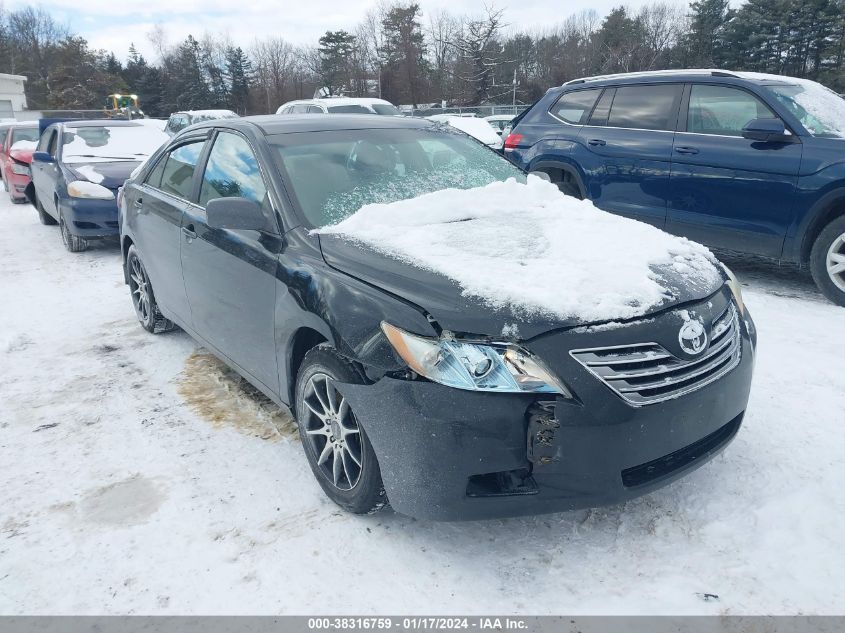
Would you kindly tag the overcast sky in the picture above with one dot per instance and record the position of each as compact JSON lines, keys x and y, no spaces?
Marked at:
{"x":113,"y":24}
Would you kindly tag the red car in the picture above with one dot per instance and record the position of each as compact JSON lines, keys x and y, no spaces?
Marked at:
{"x":16,"y":146}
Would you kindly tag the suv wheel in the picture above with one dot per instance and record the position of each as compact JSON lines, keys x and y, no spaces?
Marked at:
{"x":827,"y":261}
{"x":73,"y":243}
{"x":337,"y":448}
{"x":143,"y":298}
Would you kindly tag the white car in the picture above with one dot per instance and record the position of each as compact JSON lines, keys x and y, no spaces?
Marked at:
{"x":178,"y":121}
{"x":475,"y":127}
{"x":500,"y":122}
{"x":340,"y":105}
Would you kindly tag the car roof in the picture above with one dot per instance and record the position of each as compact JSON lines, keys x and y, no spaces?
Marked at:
{"x":102,"y":123}
{"x":676,"y":75}
{"x":219,"y":112}
{"x":327,"y":101}
{"x":270,"y":124}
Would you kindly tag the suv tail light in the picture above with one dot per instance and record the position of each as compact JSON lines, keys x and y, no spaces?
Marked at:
{"x":512,"y":141}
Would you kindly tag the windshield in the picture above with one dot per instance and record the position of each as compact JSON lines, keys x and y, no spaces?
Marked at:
{"x":819,"y":109}
{"x":109,"y":143}
{"x":349,"y":109}
{"x":24,"y":134}
{"x":333,"y":174}
{"x":386,"y":109}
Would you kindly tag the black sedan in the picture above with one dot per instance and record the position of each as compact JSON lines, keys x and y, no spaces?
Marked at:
{"x":407,"y":389}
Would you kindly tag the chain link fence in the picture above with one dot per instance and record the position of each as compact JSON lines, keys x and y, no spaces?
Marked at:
{"x":479,"y":111}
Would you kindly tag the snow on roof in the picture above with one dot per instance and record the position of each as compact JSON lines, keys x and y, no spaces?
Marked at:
{"x":529,"y":248}
{"x":477,"y":128}
{"x":219,"y":114}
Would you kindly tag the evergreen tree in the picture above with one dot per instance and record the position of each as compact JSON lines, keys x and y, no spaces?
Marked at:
{"x":334,"y":51}
{"x":239,"y":75}
{"x":403,"y":55}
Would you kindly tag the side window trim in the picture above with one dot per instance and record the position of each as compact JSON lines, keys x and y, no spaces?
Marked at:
{"x":199,"y":174}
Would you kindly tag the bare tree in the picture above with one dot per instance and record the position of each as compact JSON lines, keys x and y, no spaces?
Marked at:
{"x":478,"y":45}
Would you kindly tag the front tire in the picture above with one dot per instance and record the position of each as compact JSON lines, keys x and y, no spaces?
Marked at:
{"x":44,"y":217}
{"x":336,"y":446}
{"x":143,"y":297}
{"x":827,"y":261}
{"x":73,"y":243}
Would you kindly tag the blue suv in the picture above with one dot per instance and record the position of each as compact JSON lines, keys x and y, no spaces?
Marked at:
{"x":740,"y":161}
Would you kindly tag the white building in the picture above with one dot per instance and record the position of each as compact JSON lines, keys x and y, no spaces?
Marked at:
{"x":12,"y":99}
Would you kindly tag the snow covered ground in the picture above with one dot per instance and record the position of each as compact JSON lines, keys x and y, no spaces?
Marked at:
{"x":139,"y":476}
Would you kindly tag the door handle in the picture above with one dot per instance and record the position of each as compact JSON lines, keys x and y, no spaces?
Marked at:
{"x":188,"y":232}
{"x":596,"y":141}
{"x":138,"y":203}
{"x":686,"y":150}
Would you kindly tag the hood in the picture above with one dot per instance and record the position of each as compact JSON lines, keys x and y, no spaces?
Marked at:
{"x":22,"y":155}
{"x":520,"y":258}
{"x":454,"y":310}
{"x":110,"y":175}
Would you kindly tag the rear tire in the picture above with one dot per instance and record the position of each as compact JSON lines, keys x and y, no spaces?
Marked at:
{"x":44,"y":217}
{"x":827,"y":261}
{"x":336,"y":446}
{"x":73,"y":243}
{"x":143,"y":297}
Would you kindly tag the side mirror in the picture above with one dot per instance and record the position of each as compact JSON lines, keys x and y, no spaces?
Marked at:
{"x":238,"y":214}
{"x":766,"y":130}
{"x":42,"y":157}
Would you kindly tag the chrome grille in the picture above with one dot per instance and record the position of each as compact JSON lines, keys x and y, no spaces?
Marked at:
{"x":645,"y":373}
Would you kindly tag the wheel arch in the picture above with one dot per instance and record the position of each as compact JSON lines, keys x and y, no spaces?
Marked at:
{"x":546,"y":165}
{"x":302,"y":341}
{"x":827,"y":209}
{"x":125,"y":243}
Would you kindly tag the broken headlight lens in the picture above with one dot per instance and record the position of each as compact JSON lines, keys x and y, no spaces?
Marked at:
{"x":474,"y":366}
{"x":735,"y":288}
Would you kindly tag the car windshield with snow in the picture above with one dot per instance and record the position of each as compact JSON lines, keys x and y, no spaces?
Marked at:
{"x":455,"y":338}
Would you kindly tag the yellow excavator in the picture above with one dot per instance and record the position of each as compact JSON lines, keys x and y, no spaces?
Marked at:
{"x":120,"y":106}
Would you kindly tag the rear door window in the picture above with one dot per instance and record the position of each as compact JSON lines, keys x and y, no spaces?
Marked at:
{"x":575,"y":107}
{"x":178,"y":175}
{"x":722,"y":110}
{"x":647,"y":107}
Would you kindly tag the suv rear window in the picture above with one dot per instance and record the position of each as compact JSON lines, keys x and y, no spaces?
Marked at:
{"x":575,"y":107}
{"x":646,"y":107}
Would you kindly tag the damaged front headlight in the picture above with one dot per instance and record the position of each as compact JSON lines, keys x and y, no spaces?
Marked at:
{"x":735,"y":288}
{"x":501,"y":367}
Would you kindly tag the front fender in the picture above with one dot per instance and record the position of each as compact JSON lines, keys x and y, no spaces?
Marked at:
{"x":815,"y":196}
{"x":344,"y":310}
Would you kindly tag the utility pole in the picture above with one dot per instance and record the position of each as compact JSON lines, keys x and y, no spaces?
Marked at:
{"x":514,"y":88}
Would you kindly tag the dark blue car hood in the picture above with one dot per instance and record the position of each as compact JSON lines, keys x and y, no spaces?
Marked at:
{"x":108,"y":174}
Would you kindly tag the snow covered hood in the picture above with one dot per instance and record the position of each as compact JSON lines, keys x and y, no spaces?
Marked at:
{"x":525,"y":252}
{"x":22,"y":150}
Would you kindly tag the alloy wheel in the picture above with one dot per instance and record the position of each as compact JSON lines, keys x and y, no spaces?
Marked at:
{"x":140,"y":288}
{"x":835,"y":262}
{"x":332,"y":432}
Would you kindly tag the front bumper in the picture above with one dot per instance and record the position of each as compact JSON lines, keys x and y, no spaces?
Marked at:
{"x":90,"y":218}
{"x":437,"y":446}
{"x":17,"y":184}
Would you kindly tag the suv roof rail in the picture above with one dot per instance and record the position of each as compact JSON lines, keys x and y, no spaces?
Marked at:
{"x":655,"y":73}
